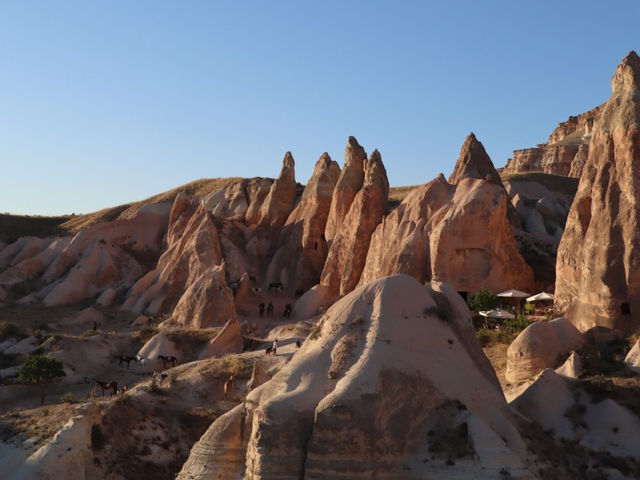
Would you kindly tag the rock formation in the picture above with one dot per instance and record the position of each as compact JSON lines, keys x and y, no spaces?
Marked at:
{"x":278,"y":203}
{"x":227,"y":341}
{"x":104,"y":256}
{"x":349,"y":184}
{"x":400,"y":243}
{"x":541,"y":345}
{"x":239,"y":200}
{"x":474,"y":162}
{"x":565,"y":151}
{"x":573,"y":413}
{"x":185,"y":278}
{"x":597,"y":279}
{"x":455,"y":233}
{"x":348,"y":252}
{"x":303,"y":249}
{"x":377,"y":390}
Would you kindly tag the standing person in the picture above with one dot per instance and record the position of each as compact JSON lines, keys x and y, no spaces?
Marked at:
{"x":270,"y":310}
{"x":275,"y":346}
{"x":261,"y":310}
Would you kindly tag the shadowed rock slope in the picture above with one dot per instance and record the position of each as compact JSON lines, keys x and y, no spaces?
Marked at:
{"x":393,"y":381}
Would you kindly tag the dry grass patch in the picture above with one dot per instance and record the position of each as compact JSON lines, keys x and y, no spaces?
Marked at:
{"x":39,"y":424}
{"x":397,"y":195}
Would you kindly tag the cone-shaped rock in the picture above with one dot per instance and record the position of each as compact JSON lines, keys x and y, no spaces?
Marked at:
{"x":597,"y":274}
{"x":303,"y":249}
{"x":348,"y":252}
{"x":185,"y":273}
{"x":400,"y":243}
{"x":279,"y":201}
{"x":349,"y":183}
{"x":376,"y":395}
{"x":460,"y":233}
{"x":474,"y":162}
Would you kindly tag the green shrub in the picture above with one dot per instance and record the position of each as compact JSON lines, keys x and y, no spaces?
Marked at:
{"x":10,"y":329}
{"x":529,"y":308}
{"x":484,"y":299}
{"x":69,"y":397}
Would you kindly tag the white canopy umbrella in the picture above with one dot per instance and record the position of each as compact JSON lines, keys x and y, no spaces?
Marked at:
{"x":513,"y":294}
{"x":497,"y":313}
{"x":540,"y":296}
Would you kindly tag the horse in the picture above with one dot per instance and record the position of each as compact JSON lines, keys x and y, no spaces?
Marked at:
{"x":168,"y":359}
{"x":103,"y":385}
{"x":128,"y":359}
{"x":278,"y":286}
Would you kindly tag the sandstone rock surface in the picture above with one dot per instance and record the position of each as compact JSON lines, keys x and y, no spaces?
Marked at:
{"x":349,"y":184}
{"x":303,"y":249}
{"x":362,"y":396}
{"x":565,"y":151}
{"x":458,"y":233}
{"x":541,"y":345}
{"x":348,"y":252}
{"x":229,"y":340}
{"x":597,"y":275}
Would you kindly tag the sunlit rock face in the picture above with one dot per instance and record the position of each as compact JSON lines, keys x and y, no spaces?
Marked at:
{"x":597,"y":270}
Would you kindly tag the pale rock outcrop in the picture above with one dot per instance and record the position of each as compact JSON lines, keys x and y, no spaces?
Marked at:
{"x":349,"y":184}
{"x":103,"y":256}
{"x":561,"y":404}
{"x":279,"y":201}
{"x":571,"y":367}
{"x":541,"y":345}
{"x":363,"y":395}
{"x":565,"y":151}
{"x":348,"y":252}
{"x":240,"y":199}
{"x":108,"y":297}
{"x":159,"y":344}
{"x":312,"y":302}
{"x":23,"y":347}
{"x":229,"y":340}
{"x":67,"y":455}
{"x":458,"y":233}
{"x":206,"y":302}
{"x":632,"y":360}
{"x":472,"y":243}
{"x":597,"y":279}
{"x":303,"y":249}
{"x":259,"y":375}
{"x":190,"y":276}
{"x":474,"y":162}
{"x":22,"y":249}
{"x":400,"y":243}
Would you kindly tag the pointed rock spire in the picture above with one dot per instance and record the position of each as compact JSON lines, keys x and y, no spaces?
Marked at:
{"x":627,"y":74}
{"x":474,"y":162}
{"x":349,"y":183}
{"x":597,"y":279}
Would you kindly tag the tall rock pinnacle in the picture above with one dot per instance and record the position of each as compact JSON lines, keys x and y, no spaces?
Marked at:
{"x":597,"y":274}
{"x":474,"y":162}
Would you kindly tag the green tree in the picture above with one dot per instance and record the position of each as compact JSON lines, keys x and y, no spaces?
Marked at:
{"x":484,"y":299}
{"x":40,"y":370}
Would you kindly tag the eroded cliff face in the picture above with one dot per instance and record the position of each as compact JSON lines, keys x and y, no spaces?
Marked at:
{"x":377,"y":390}
{"x":457,"y":232}
{"x":348,"y":252}
{"x":597,"y":274}
{"x":565,"y":151}
{"x":303,"y":249}
{"x":185,"y":280}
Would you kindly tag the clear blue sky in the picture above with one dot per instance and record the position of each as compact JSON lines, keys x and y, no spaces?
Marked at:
{"x":102,"y":103}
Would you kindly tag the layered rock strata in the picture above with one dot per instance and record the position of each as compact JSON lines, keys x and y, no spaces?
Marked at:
{"x":565,"y":151}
